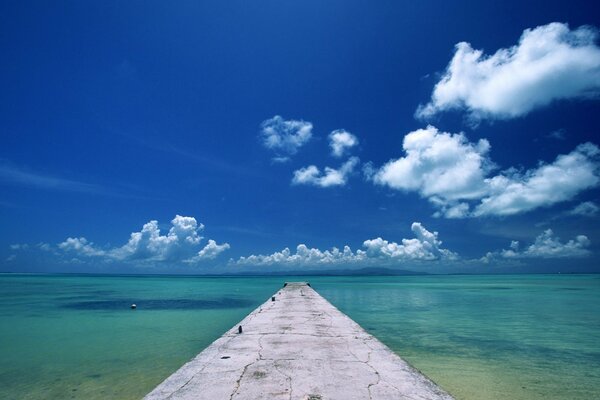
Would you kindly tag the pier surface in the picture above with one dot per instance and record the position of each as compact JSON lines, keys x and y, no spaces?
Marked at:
{"x":297,"y":347}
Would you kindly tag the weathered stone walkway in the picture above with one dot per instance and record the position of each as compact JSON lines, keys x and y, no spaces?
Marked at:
{"x":297,"y":347}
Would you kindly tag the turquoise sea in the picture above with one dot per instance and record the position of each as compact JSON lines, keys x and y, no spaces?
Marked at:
{"x":479,"y":337}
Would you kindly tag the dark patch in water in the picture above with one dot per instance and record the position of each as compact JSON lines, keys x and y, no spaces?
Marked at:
{"x":81,"y":297}
{"x":94,"y":376}
{"x":160,"y":304}
{"x":499,"y":288}
{"x":571,"y":288}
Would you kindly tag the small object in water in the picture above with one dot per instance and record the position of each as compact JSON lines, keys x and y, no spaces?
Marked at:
{"x":308,"y":284}
{"x":225,"y":357}
{"x":240,"y":329}
{"x":273,"y":298}
{"x":133,"y":306}
{"x":284,"y":284}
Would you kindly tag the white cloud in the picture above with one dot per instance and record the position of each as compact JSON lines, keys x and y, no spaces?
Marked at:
{"x":285,"y":137}
{"x":311,"y":175}
{"x":341,"y":141}
{"x":568,"y":175}
{"x":550,"y":62}
{"x":438,"y":164}
{"x":303,"y":256}
{"x":585,"y":209}
{"x":280,"y":160}
{"x":424,"y":247}
{"x":454,"y":175}
{"x":179,"y":243}
{"x":212,"y":250}
{"x":182,"y":243}
{"x":81,"y":246}
{"x":546,"y":245}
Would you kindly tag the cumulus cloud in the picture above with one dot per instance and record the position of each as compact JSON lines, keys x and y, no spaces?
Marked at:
{"x":181,"y":243}
{"x":550,"y":62}
{"x":311,"y":175}
{"x":455,"y":175}
{"x":438,"y":164}
{"x":424,"y":247}
{"x":285,"y":137}
{"x":341,"y":141}
{"x":546,"y":245}
{"x":568,"y":175}
{"x":212,"y":250}
{"x":303,"y":256}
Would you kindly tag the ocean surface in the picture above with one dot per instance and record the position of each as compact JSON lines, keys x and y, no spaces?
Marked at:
{"x":479,"y":337}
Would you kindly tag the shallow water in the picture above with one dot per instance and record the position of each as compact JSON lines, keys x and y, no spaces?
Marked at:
{"x":480,"y":337}
{"x":487,"y":337}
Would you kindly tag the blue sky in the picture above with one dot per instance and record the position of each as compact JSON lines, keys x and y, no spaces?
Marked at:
{"x":196,"y":137}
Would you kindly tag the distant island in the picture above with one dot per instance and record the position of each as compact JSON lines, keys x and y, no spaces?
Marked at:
{"x":371,"y":271}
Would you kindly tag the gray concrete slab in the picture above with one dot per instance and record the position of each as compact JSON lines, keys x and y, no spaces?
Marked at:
{"x":297,"y":347}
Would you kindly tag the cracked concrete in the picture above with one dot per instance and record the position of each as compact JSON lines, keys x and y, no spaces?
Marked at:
{"x":297,"y":347}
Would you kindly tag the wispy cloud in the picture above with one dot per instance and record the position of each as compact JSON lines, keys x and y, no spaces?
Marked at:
{"x":585,"y":209}
{"x":550,"y":62}
{"x":14,"y":175}
{"x":244,"y":231}
{"x":558,"y":134}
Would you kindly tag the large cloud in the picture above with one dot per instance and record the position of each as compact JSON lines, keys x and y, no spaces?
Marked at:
{"x":454,"y":174}
{"x":182,"y":243}
{"x":546,"y":245}
{"x":311,"y":175}
{"x":285,"y":137}
{"x":424,"y":247}
{"x":341,"y":141}
{"x":438,"y":164}
{"x":550,"y":62}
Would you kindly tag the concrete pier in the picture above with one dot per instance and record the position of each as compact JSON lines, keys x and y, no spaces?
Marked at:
{"x":298,"y":346}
